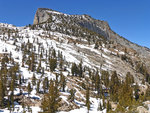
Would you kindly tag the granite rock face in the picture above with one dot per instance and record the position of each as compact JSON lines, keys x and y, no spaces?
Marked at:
{"x":85,"y":21}
{"x":41,"y":16}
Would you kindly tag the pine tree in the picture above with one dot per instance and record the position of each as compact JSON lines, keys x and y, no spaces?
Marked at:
{"x":63,"y":82}
{"x":74,"y":69}
{"x":114,"y":87}
{"x":32,"y":68}
{"x":38,"y":86}
{"x":108,"y":106}
{"x":80,"y":69}
{"x":88,"y":99}
{"x":104,"y":104}
{"x":53,"y":64}
{"x":33,"y":80}
{"x":125,"y":93}
{"x":136,"y":94}
{"x":45,"y":84}
{"x":54,"y":53}
{"x":61,"y":64}
{"x":50,"y":102}
{"x":29,"y":88}
{"x":105,"y":78}
{"x":39,"y":67}
{"x":1,"y":94}
{"x":72,"y":95}
{"x":12,"y":86}
{"x":100,"y":106}
{"x":97,"y":83}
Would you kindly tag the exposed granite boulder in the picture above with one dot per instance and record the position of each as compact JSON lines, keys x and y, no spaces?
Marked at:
{"x":41,"y":16}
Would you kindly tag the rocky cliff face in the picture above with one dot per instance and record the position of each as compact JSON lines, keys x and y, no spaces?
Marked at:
{"x":74,"y":23}
{"x":41,"y":16}
{"x":101,"y":27}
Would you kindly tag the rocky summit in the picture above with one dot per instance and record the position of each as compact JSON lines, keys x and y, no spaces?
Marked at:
{"x":71,"y":63}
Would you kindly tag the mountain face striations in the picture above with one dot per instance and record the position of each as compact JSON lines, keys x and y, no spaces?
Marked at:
{"x":85,"y":21}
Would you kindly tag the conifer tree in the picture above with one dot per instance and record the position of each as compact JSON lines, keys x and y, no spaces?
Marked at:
{"x":38,"y":86}
{"x":108,"y":106}
{"x":114,"y":87}
{"x":100,"y":106}
{"x":1,"y":94}
{"x":32,"y":67}
{"x":50,"y":102}
{"x":29,"y":88}
{"x":61,"y":64}
{"x":88,"y":99}
{"x":104,"y":104}
{"x":72,"y":95}
{"x":74,"y":69}
{"x":80,"y":69}
{"x":39,"y":67}
{"x":105,"y":78}
{"x":63,"y":82}
{"x":33,"y":80}
{"x":53,"y":53}
{"x":126,"y":93}
{"x":53,"y":64}
{"x":45,"y":84}
{"x":97,"y":83}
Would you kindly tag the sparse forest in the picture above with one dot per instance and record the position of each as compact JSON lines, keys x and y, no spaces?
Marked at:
{"x":61,"y":65}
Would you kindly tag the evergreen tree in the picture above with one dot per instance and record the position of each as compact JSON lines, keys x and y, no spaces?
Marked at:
{"x":72,"y":95}
{"x":100,"y":106}
{"x":136,"y":92}
{"x":45,"y":84}
{"x":32,"y":62}
{"x":50,"y":102}
{"x":80,"y":69}
{"x":39,"y":67}
{"x":53,"y":53}
{"x":105,"y":78}
{"x":63,"y":82}
{"x":126,"y":93}
{"x":108,"y":106}
{"x":97,"y":83}
{"x":88,"y":99}
{"x":74,"y":69}
{"x":53,"y":64}
{"x":29,"y":88}
{"x":38,"y":86}
{"x":61,"y":64}
{"x":1,"y":94}
{"x":104,"y":104}
{"x":33,"y":80}
{"x":114,"y":87}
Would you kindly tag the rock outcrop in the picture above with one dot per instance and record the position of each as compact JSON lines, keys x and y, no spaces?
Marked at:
{"x":54,"y":18}
{"x":41,"y":16}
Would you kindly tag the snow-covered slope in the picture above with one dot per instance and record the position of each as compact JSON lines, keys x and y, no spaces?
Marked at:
{"x":70,"y":43}
{"x":10,"y":43}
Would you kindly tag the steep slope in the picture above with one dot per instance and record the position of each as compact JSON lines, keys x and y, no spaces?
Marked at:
{"x":13,"y":41}
{"x":85,"y":21}
{"x":77,"y":52}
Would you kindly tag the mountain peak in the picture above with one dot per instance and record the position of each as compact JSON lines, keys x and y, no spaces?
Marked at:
{"x":43,"y":14}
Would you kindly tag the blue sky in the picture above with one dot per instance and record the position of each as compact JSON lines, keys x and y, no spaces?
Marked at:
{"x":128,"y":18}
